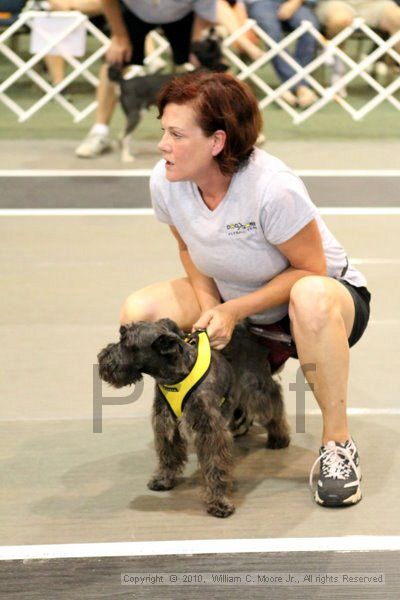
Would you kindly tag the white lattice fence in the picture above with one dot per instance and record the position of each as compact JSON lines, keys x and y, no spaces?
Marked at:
{"x":328,"y":50}
{"x":74,"y":21}
{"x":253,"y":71}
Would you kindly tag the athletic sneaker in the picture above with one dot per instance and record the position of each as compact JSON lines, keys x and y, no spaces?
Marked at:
{"x":93,"y":145}
{"x":340,"y":474}
{"x":338,"y":71}
{"x":289,"y":97}
{"x":305,"y":96}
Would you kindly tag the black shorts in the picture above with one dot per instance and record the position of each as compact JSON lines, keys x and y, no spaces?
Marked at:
{"x":101,"y":23}
{"x":178,"y":34}
{"x":277,"y":336}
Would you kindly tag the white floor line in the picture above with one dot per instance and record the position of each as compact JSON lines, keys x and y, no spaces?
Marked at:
{"x":76,"y":212}
{"x":384,"y":321}
{"x":360,"y":210}
{"x":360,"y":411}
{"x":189,"y":547}
{"x":375,"y":261}
{"x":140,"y":212}
{"x":146,"y":172}
{"x":348,"y":173}
{"x":76,"y":173}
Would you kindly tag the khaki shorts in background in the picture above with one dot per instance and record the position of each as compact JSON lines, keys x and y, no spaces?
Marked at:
{"x":371,"y":11}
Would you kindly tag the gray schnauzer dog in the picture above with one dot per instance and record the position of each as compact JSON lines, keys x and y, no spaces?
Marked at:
{"x":234,"y":386}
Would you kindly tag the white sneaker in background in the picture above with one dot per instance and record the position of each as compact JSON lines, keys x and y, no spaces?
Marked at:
{"x":289,"y":98}
{"x":338,"y":71}
{"x":342,"y":91}
{"x":94,"y":145}
{"x":305,"y":96}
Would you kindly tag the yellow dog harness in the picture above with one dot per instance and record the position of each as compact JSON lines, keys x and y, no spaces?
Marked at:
{"x":176,"y":394}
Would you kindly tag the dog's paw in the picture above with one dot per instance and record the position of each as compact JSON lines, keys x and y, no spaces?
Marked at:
{"x":221,"y":509}
{"x":275,"y":443}
{"x":160,"y":484}
{"x":127,"y":157}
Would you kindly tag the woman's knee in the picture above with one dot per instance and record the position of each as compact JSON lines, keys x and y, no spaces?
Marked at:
{"x":312,"y":304}
{"x":175,"y":299}
{"x":336,"y":21}
{"x":137,"y":307}
{"x":390,"y":19}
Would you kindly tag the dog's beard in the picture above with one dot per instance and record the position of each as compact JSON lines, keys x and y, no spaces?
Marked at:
{"x":114,"y":369}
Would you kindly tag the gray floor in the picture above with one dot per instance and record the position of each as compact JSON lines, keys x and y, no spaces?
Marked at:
{"x":313,"y":154}
{"x":63,"y":280}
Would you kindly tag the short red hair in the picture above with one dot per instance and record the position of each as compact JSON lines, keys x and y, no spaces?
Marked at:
{"x":221,"y":102}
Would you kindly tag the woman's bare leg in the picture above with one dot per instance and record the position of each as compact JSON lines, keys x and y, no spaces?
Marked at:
{"x":322,"y":313}
{"x":174,"y":299}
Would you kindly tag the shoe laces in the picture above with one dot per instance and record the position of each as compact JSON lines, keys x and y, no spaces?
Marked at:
{"x":337,"y":462}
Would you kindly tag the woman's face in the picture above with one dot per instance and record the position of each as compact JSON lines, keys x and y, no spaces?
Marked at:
{"x":189,"y":154}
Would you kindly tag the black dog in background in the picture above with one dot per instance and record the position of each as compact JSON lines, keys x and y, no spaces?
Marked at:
{"x":139,"y":93}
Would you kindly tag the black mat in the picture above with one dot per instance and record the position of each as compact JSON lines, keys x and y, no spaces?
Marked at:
{"x":133,"y":192}
{"x":96,"y":578}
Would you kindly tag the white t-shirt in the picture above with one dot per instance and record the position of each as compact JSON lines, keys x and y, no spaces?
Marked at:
{"x":235,"y":244}
{"x":169,"y":11}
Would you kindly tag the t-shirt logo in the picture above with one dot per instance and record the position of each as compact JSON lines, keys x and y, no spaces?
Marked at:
{"x":239,"y":228}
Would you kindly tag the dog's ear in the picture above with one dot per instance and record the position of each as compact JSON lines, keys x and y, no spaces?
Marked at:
{"x":127,"y":336}
{"x":172,"y":326}
{"x":167,"y":344}
{"x":123,"y":332}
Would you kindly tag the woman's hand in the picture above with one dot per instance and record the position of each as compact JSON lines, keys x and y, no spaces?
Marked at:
{"x":219,"y":323}
{"x":287,"y":9}
{"x":119,"y":51}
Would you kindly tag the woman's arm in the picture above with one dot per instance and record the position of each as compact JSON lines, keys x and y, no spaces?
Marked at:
{"x":204,"y":287}
{"x":306,"y":256}
{"x":120,"y":49}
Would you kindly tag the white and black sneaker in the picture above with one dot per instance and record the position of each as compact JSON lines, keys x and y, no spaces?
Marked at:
{"x":340,"y":475}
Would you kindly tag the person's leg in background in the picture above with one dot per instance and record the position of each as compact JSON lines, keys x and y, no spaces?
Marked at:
{"x":388,"y":21}
{"x":229,"y":19}
{"x":335,"y":16}
{"x":388,"y":18}
{"x":98,"y":140}
{"x":265,"y":13}
{"x":306,"y":48}
{"x":179,"y":35}
{"x":240,"y":11}
{"x":56,"y":64}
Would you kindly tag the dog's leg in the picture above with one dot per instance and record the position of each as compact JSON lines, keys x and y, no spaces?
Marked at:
{"x":213,"y":442}
{"x":133,"y":118}
{"x":275,"y":419}
{"x":171,"y":449}
{"x":126,"y":154}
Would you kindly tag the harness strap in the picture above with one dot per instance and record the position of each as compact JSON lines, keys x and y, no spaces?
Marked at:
{"x":176,"y":394}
